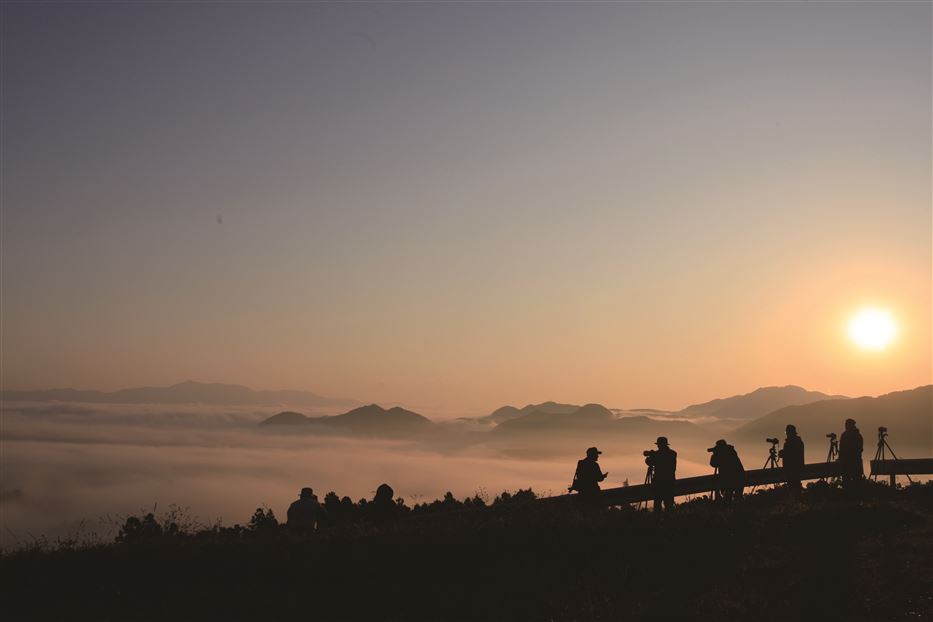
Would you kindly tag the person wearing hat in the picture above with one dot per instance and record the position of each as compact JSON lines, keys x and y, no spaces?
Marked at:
{"x":731,"y":477}
{"x":588,"y":475}
{"x":792,"y":459}
{"x":850,"y":455}
{"x":663,"y":462}
{"x":306,"y":513}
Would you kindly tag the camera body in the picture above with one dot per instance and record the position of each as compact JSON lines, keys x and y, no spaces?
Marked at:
{"x":831,"y":435}
{"x":773,"y":441}
{"x":710,"y":449}
{"x":882,"y":430}
{"x":649,"y":452}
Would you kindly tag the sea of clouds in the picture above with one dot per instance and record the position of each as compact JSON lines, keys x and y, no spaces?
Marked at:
{"x":70,"y":468}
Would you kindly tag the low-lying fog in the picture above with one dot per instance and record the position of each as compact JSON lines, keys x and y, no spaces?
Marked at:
{"x":88,"y":465}
{"x":67,"y":463}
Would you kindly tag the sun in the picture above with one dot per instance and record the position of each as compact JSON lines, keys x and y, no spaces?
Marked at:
{"x":872,"y":329}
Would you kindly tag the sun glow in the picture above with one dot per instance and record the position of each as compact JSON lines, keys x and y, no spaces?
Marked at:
{"x":872,"y":329}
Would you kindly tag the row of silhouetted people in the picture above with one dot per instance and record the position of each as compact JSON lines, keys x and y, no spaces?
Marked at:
{"x":662,"y":467}
{"x":307,"y":513}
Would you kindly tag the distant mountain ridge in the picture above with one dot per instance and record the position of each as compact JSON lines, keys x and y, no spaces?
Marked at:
{"x":591,"y":420}
{"x":756,"y":404}
{"x":370,"y":420}
{"x":582,"y":416}
{"x":907,"y":414}
{"x":188,"y":392}
{"x":507,"y":413}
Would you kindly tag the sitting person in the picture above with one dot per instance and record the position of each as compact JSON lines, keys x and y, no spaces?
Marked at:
{"x":384,"y":508}
{"x":306,"y":513}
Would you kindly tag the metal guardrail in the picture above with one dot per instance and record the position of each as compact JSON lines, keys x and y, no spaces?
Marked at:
{"x":758,"y":477}
{"x":903,"y":466}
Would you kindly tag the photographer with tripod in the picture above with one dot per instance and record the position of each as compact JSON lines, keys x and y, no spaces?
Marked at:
{"x":730,"y":480}
{"x":792,"y":459}
{"x":662,"y":463}
{"x":850,"y":455}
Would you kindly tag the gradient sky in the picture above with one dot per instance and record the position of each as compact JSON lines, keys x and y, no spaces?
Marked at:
{"x":457,"y":206}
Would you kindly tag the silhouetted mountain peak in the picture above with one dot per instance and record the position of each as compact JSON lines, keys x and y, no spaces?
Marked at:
{"x":369,"y":420}
{"x":759,"y":402}
{"x":906,"y":413}
{"x":593,"y":410}
{"x":286,"y":417}
{"x":507,"y":413}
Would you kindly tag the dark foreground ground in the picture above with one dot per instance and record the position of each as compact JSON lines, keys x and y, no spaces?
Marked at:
{"x":829,"y":556}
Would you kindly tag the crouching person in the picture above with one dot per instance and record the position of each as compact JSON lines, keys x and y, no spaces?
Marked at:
{"x":731,"y":478}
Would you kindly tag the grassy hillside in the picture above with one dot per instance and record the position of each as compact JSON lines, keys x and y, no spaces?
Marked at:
{"x":830,"y":556}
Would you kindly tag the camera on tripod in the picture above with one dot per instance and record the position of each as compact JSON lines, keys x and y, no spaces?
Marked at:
{"x":773,"y":441}
{"x":649,"y":452}
{"x":831,"y":436}
{"x":882,"y":431}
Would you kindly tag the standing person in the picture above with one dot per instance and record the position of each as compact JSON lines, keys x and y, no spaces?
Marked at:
{"x":850,"y":454}
{"x":588,"y":475}
{"x":792,"y":459}
{"x":306,"y":513}
{"x":663,"y":461}
{"x":731,"y":478}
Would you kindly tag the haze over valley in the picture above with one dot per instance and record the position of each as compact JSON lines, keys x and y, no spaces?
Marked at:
{"x":78,"y":464}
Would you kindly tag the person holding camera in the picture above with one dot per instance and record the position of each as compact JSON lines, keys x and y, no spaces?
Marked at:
{"x":663,"y":463}
{"x":850,"y":455}
{"x":588,"y":475}
{"x":792,"y":459}
{"x":731,"y":477}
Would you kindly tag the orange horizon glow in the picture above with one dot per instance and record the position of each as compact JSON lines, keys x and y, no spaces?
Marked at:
{"x":644,"y":205}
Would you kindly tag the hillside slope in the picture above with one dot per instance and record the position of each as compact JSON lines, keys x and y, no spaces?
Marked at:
{"x":756,"y":404}
{"x":907,"y":414}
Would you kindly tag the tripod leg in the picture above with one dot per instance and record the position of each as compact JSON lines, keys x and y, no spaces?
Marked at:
{"x":895,"y":457}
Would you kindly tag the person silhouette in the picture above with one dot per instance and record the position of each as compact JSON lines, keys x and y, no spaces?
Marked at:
{"x":850,"y":455}
{"x":384,"y":508}
{"x":792,"y":459}
{"x":731,"y":477}
{"x":305,"y":514}
{"x":663,"y":461}
{"x":588,"y":475}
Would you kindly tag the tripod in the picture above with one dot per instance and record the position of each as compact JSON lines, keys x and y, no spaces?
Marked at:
{"x":772,"y":461}
{"x":649,"y":477}
{"x":880,"y":453}
{"x":833,"y":454}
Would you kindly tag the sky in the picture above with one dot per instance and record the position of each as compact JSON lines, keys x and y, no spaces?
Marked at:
{"x":460,"y":205}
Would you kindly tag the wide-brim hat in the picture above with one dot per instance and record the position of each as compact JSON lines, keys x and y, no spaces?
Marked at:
{"x":593,"y":450}
{"x":662,"y":440}
{"x":307,"y":492}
